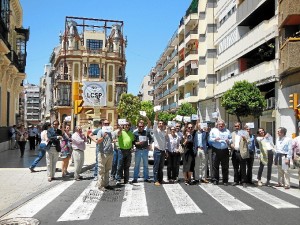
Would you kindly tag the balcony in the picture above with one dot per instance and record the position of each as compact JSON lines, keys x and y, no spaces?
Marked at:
{"x":191,"y":56}
{"x":188,"y":97}
{"x":173,"y":88}
{"x":191,"y":79}
{"x":289,"y":12}
{"x":191,"y":19}
{"x":262,"y":33}
{"x":165,"y":108}
{"x":62,"y":77}
{"x":191,"y":35}
{"x":266,"y":71}
{"x":289,"y":56}
{"x":173,"y":105}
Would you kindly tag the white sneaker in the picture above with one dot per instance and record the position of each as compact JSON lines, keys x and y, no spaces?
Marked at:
{"x":259,"y":183}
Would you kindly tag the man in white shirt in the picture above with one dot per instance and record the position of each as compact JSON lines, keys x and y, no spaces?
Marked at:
{"x":283,"y":156}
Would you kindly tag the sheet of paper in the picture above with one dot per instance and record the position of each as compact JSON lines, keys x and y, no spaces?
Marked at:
{"x":121,"y":121}
{"x":142,"y":138}
{"x":143,"y":113}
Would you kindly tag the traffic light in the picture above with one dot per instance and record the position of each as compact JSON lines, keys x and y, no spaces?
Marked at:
{"x":297,"y":113}
{"x":77,"y":97}
{"x":293,"y":101}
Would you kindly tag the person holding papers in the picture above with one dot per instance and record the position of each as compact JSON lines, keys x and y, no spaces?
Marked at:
{"x":240,"y":153}
{"x":219,"y":139}
{"x":142,"y":138}
{"x":282,"y":158}
{"x":266,"y":146}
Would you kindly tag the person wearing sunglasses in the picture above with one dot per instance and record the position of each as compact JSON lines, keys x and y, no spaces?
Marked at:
{"x":240,"y":152}
{"x":267,"y":149}
{"x":219,"y":138}
{"x":188,"y":157}
{"x":125,"y":140}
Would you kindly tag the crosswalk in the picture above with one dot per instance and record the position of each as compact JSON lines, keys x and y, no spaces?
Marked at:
{"x":135,"y":199}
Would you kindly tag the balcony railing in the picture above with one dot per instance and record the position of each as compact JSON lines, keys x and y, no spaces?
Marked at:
{"x":289,"y":11}
{"x":289,"y":56}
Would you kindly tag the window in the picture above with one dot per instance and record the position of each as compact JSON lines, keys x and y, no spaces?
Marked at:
{"x":94,"y":71}
{"x":5,"y":12}
{"x":92,"y":44}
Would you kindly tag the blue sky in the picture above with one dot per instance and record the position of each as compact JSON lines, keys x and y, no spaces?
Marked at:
{"x":148,"y":26}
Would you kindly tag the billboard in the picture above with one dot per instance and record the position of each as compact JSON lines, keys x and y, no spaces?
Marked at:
{"x":94,"y":93}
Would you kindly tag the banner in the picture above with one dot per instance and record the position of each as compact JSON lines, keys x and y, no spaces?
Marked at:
{"x":94,"y":93}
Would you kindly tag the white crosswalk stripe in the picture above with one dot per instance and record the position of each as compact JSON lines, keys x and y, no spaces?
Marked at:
{"x":181,"y":201}
{"x":84,"y":205}
{"x":134,"y":203}
{"x":224,"y":198}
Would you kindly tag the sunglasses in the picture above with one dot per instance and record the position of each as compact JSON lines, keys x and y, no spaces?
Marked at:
{"x":141,"y":126}
{"x":190,"y":127}
{"x":55,"y":124}
{"x":106,"y":123}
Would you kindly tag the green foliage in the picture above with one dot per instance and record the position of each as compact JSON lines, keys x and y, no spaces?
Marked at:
{"x":186,"y":109}
{"x":244,"y":99}
{"x":147,"y":106}
{"x":129,"y":107}
{"x":166,"y":116}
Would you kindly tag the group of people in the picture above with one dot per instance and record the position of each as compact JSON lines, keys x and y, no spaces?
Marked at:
{"x":201,"y":149}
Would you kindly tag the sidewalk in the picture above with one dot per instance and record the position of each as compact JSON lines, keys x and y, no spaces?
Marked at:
{"x":18,"y":184}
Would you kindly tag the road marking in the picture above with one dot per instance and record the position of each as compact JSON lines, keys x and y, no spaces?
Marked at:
{"x":293,"y":192}
{"x":267,"y":198}
{"x":134,"y":201}
{"x":224,"y":198}
{"x":292,"y":180}
{"x":83,"y":207}
{"x":181,"y":201}
{"x":32,"y":207}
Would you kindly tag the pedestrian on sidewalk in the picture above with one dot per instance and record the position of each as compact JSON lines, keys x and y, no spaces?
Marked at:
{"x":42,"y":147}
{"x":31,"y":138}
{"x":66,"y":150}
{"x":125,"y":140}
{"x":22,"y":136}
{"x":283,"y":156}
{"x":89,"y":131}
{"x":78,"y":146}
{"x":54,"y":135}
{"x":12,"y":136}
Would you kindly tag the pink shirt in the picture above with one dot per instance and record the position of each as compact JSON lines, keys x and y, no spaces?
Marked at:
{"x":296,"y":145}
{"x":78,"y":141}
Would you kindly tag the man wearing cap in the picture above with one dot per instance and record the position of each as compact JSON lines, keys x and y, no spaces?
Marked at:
{"x":125,"y":140}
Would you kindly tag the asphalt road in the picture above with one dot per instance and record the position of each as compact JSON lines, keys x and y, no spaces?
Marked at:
{"x":80,"y":202}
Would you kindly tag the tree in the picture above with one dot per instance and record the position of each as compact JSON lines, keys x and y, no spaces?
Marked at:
{"x":244,"y":99}
{"x":147,"y":106}
{"x":186,"y":109}
{"x":129,"y":107}
{"x":166,"y":116}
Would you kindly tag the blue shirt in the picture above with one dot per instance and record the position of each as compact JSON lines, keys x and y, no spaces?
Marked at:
{"x":251,"y":145}
{"x":224,"y":136}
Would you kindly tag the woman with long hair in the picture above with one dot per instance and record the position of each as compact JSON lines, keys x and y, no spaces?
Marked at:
{"x":66,"y":150}
{"x":22,"y":136}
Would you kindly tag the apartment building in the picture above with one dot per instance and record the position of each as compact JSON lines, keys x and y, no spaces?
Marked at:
{"x":91,"y":52}
{"x":12,"y":61}
{"x":145,"y":90}
{"x":289,"y":61}
{"x":32,"y":104}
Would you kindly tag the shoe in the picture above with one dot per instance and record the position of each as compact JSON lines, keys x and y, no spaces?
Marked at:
{"x":187,"y":182}
{"x":195,"y":181}
{"x":108,"y":187}
{"x":118,"y":182}
{"x":244,"y":185}
{"x":235,"y":183}
{"x":204,"y":181}
{"x":134,"y":181}
{"x":287,"y":187}
{"x":259,"y":183}
{"x":157,"y":183}
{"x":225,"y":184}
{"x":278,"y":185}
{"x":95,"y":179}
{"x":49,"y":179}
{"x":102,"y":189}
{"x":215,"y":182}
{"x":268,"y":184}
{"x":32,"y":170}
{"x":147,"y":180}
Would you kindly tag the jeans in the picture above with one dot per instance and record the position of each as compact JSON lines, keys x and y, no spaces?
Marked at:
{"x":115,"y":163}
{"x":141,"y":154}
{"x":42,"y":152}
{"x":159,"y":161}
{"x":125,"y":164}
{"x":96,"y":164}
